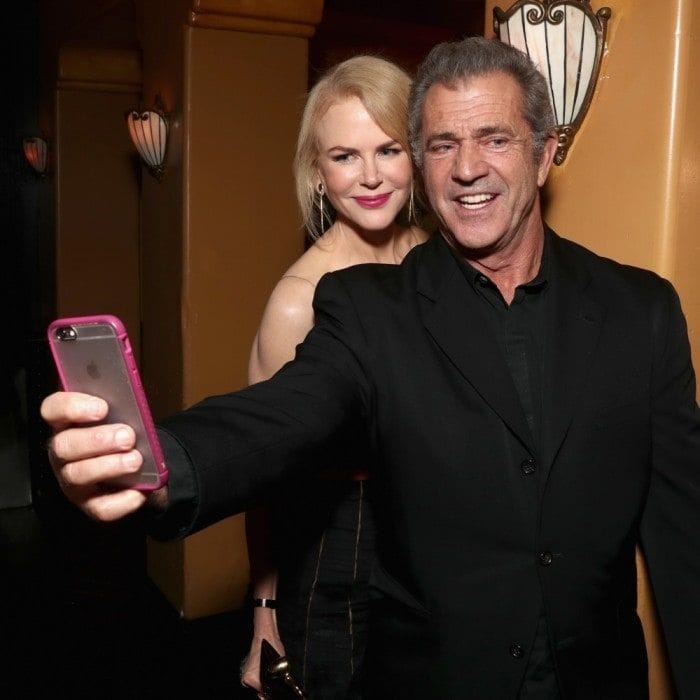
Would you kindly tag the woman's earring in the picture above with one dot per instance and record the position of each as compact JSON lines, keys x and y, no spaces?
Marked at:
{"x":320,"y":190}
{"x":411,"y":212}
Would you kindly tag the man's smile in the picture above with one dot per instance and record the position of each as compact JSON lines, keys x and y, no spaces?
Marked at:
{"x":475,"y":201}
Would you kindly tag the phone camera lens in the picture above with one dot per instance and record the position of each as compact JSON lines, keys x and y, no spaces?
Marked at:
{"x":66,"y":333}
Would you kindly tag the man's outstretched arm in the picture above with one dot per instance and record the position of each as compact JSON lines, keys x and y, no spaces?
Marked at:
{"x":227,"y":452}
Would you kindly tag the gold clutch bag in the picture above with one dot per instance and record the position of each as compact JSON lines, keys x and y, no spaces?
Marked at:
{"x":276,"y":677}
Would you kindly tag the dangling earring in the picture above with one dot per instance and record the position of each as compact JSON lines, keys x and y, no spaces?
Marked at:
{"x":411,"y":212}
{"x":320,"y":190}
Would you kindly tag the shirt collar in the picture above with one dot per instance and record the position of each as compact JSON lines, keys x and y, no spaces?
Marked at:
{"x":478,"y":279}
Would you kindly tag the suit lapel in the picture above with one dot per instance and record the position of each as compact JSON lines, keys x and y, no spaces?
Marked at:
{"x":456,"y":320}
{"x":573,"y":326}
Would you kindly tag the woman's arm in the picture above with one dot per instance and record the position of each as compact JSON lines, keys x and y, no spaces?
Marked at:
{"x":287,"y":319}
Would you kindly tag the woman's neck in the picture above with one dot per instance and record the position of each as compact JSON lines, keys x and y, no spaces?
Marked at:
{"x":357,"y":246}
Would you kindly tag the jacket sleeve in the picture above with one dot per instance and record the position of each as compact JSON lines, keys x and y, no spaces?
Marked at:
{"x":670,"y":528}
{"x":236,"y":449}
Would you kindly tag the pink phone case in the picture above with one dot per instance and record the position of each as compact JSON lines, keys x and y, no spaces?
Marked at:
{"x":93,"y":356}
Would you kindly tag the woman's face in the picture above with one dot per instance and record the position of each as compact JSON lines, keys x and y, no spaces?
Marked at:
{"x":365,"y":173}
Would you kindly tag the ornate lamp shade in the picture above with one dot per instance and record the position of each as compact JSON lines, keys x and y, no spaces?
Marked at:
{"x":149,"y":133}
{"x":565,"y":39}
{"x":36,"y":153}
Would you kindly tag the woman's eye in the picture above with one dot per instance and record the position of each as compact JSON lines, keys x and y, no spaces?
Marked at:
{"x":341,"y":158}
{"x":391,"y":151}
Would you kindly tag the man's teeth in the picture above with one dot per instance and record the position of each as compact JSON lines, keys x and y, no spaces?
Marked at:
{"x":476,"y":198}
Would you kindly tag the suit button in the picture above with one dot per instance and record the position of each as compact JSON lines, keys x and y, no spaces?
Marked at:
{"x":483,"y":280}
{"x":528,"y":466}
{"x":516,"y":651}
{"x":546,"y":558}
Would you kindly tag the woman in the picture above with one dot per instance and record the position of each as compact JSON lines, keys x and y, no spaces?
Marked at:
{"x":311,"y":552}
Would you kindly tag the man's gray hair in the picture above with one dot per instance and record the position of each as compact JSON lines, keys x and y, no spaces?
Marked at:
{"x":452,"y":62}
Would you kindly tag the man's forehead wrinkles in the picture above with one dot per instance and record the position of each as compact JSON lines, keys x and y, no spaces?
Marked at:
{"x":472,"y":122}
{"x":470,"y":100}
{"x":465,"y":110}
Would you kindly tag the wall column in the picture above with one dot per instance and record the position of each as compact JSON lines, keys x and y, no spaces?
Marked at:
{"x":235,"y":98}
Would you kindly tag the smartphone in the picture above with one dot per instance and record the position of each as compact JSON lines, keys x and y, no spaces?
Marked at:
{"x":93,"y":356}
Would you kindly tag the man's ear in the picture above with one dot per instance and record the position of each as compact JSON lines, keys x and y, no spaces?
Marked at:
{"x":547,"y":157}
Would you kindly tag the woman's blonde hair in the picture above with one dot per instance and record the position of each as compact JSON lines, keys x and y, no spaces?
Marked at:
{"x":383,"y":89}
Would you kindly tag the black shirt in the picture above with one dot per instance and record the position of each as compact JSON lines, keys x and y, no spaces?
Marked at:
{"x":520,"y":330}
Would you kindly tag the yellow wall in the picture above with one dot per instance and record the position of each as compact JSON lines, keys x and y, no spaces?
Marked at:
{"x":241,"y":232}
{"x":97,"y":196}
{"x":629,"y":186}
{"x":684,"y":181}
{"x":222,"y":228}
{"x":242,"y":228}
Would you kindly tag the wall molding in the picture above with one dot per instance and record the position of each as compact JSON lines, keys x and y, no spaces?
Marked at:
{"x":89,"y":68}
{"x":297,"y":18}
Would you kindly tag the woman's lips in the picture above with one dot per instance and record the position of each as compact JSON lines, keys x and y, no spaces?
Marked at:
{"x":374,"y":202}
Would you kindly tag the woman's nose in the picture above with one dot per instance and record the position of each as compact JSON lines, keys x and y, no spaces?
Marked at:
{"x":371,"y":175}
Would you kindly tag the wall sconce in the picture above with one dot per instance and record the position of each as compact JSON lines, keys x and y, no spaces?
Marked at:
{"x":149,"y":134}
{"x":36,"y":152}
{"x":565,"y":39}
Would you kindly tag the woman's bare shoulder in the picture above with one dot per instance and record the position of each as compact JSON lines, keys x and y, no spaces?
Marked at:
{"x":320,"y":258}
{"x":290,"y":304}
{"x":293,"y":295}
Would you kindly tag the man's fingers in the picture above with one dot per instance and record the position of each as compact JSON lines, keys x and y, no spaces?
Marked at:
{"x":77,"y":444}
{"x":109,"y":506}
{"x":100,"y":469}
{"x":65,"y":407}
{"x":87,"y":458}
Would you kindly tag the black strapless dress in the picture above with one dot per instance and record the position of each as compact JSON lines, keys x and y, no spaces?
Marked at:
{"x":325,"y":545}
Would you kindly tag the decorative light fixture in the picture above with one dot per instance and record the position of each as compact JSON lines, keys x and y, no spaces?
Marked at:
{"x":565,"y":39}
{"x":149,"y":133}
{"x":36,"y":152}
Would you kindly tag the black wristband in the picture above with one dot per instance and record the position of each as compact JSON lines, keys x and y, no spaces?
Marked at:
{"x":264,"y":603}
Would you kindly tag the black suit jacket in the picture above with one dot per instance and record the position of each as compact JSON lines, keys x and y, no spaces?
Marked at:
{"x":473,"y":543}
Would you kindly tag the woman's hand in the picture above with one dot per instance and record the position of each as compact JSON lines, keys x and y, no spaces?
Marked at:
{"x":264,"y":627}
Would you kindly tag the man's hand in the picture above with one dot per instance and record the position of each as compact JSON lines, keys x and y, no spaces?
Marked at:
{"x":86,"y":457}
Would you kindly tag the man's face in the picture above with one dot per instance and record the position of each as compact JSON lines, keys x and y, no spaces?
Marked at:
{"x":479,"y":167}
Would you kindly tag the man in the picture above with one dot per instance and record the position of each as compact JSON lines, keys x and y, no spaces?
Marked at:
{"x":531,"y":414}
